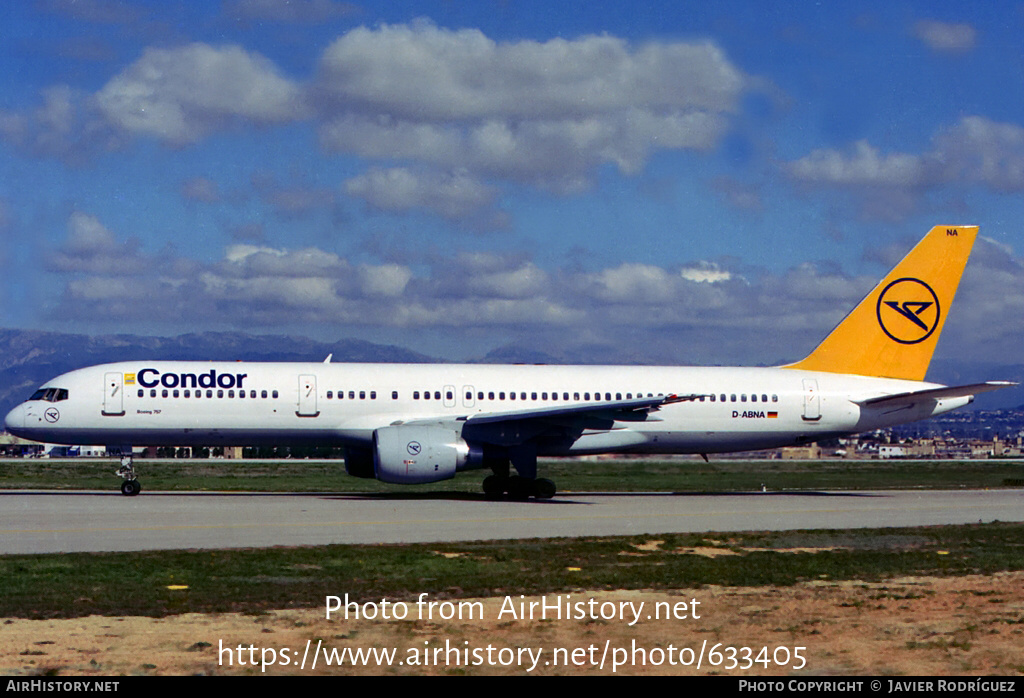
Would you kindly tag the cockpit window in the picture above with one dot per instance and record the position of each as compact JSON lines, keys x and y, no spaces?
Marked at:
{"x":50,"y":394}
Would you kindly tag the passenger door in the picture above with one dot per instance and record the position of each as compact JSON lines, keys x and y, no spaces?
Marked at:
{"x":307,"y":397}
{"x":113,"y":394}
{"x":812,"y":400}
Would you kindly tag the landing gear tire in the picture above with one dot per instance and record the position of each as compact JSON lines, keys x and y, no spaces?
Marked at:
{"x":130,"y":488}
{"x":543,"y":488}
{"x":495,"y":486}
{"x":518,"y":488}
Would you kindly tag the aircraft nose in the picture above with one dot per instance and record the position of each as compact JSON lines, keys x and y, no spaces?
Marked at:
{"x":15,"y":419}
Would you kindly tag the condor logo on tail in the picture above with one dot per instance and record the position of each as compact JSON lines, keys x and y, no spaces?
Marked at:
{"x":908,"y":310}
{"x":893,"y":331}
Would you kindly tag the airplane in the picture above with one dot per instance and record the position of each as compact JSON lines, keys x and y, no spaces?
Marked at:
{"x":422,"y":423}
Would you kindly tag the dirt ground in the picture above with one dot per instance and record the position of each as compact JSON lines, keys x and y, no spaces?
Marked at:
{"x":911,"y":626}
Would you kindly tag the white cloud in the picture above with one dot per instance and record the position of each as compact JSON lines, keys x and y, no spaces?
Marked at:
{"x":975,"y":151}
{"x":90,"y":248}
{"x":945,"y":37}
{"x":455,"y":197}
{"x":863,"y":165}
{"x":984,"y":151}
{"x":423,"y":72}
{"x":706,"y":273}
{"x":181,"y":94}
{"x":545,"y":113}
{"x":701,"y":312}
{"x":387,"y":280}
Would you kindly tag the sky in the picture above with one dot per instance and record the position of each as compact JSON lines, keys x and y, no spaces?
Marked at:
{"x":653,"y":182}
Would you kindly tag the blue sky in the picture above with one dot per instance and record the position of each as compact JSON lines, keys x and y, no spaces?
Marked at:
{"x":657,"y":182}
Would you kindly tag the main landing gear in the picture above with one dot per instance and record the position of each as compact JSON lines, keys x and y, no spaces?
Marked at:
{"x":130,"y":485}
{"x":522,"y":486}
{"x":516,"y":487}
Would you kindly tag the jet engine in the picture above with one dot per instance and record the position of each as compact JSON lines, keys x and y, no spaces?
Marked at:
{"x":411,"y":455}
{"x":359,"y":462}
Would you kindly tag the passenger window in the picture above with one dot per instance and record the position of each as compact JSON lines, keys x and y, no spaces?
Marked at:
{"x":362,"y":394}
{"x":743,"y":398}
{"x":394,"y":394}
{"x":437,"y":394}
{"x":220,"y":393}
{"x":415,"y":395}
{"x":373,"y":394}
{"x":351,"y":395}
{"x":231,"y":393}
{"x":263,"y":394}
{"x":274,"y":394}
{"x":330,"y":394}
{"x":141,"y":392}
{"x":152,"y":392}
{"x":175,"y":393}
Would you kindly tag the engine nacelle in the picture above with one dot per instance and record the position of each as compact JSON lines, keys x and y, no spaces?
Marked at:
{"x":412,"y":455}
{"x":359,"y":462}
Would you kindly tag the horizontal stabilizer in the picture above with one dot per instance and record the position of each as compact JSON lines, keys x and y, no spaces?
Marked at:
{"x":934,"y":394}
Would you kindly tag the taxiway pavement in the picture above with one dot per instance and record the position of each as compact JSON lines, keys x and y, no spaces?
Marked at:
{"x":49,"y":522}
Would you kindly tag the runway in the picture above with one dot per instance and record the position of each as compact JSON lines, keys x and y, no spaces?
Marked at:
{"x":51,"y":522}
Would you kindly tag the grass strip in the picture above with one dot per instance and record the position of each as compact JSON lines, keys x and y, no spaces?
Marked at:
{"x":256,"y":580}
{"x":569,"y":475}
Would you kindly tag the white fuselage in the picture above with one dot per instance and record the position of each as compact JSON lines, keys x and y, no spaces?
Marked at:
{"x":154,"y":403}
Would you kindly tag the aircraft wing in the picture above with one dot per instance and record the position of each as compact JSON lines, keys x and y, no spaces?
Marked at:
{"x":637,"y":409}
{"x":904,"y":399}
{"x":618,"y":410}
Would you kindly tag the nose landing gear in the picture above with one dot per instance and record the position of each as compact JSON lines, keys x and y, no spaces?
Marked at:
{"x":130,"y":485}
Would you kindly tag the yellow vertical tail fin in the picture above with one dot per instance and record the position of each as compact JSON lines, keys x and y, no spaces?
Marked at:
{"x":892,"y":332}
